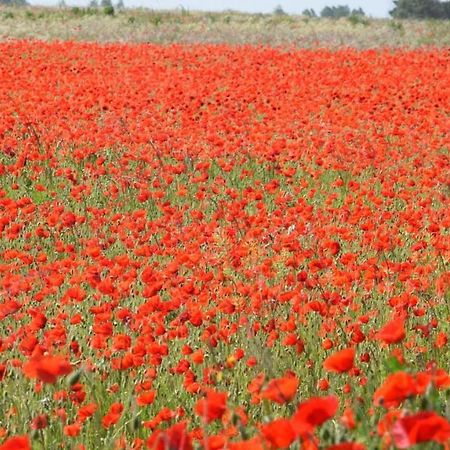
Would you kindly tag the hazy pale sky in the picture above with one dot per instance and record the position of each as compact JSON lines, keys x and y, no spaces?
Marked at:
{"x":375,"y":8}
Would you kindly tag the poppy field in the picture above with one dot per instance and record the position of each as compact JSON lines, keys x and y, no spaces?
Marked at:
{"x":223,"y":247}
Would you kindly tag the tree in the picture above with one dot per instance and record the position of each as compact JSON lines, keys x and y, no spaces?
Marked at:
{"x":335,"y":12}
{"x":279,"y":11}
{"x":309,"y":13}
{"x":420,"y":9}
{"x":14,"y":2}
{"x":358,"y":12}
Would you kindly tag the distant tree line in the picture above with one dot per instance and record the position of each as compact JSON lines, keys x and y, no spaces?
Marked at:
{"x":329,"y":11}
{"x":421,"y":9}
{"x":106,"y":4}
{"x":403,"y":9}
{"x":13,"y":2}
{"x":335,"y":12}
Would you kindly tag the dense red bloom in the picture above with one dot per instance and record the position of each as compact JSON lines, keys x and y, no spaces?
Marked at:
{"x":39,"y":422}
{"x":146,"y":398}
{"x":198,"y":356}
{"x":396,"y":388}
{"x":281,"y":390}
{"x":424,"y":426}
{"x":175,"y":437}
{"x":313,"y":413}
{"x":86,"y":411}
{"x":393,"y":332}
{"x":213,"y":406}
{"x":348,"y":418}
{"x":113,"y":415}
{"x":217,"y":442}
{"x":279,"y":433}
{"x":341,"y":361}
{"x":72,"y":430}
{"x":16,"y":443}
{"x":250,"y":444}
{"x":170,"y":210}
{"x":347,"y":446}
{"x":47,"y":368}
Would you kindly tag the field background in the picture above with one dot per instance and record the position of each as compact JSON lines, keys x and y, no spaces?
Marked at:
{"x":229,"y":27}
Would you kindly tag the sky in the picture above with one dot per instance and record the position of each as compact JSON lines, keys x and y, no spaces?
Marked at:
{"x":374,"y":8}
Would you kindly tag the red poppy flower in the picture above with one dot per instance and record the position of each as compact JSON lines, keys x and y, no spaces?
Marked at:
{"x":341,"y":361}
{"x":347,"y":446}
{"x":396,"y":388}
{"x":72,"y":430}
{"x":314,"y":412}
{"x":281,"y":390}
{"x":86,"y":411}
{"x":217,"y":442}
{"x":426,"y":426}
{"x":393,"y":332}
{"x":213,"y":406}
{"x":279,"y":433}
{"x":146,"y":398}
{"x":16,"y":443}
{"x":348,"y":418}
{"x":250,"y":444}
{"x":175,"y":437}
{"x":39,"y":422}
{"x":47,"y":368}
{"x":113,"y":415}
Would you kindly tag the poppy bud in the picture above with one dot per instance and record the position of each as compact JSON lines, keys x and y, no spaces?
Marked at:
{"x":74,"y":378}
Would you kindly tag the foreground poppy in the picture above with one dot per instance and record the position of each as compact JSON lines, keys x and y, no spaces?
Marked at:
{"x":279,"y":433}
{"x":396,"y":388}
{"x":250,"y":444}
{"x":47,"y":368}
{"x":16,"y":443}
{"x":424,"y":426}
{"x":213,"y":406}
{"x":175,"y":437}
{"x":347,"y":446}
{"x":281,"y":390}
{"x":113,"y":415}
{"x":313,"y":413}
{"x":341,"y":361}
{"x":393,"y":331}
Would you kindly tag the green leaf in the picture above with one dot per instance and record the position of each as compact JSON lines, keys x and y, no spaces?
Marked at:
{"x":393,"y":364}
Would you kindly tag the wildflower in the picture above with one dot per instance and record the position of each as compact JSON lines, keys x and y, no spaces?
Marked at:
{"x":341,"y":361}
{"x":47,"y":368}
